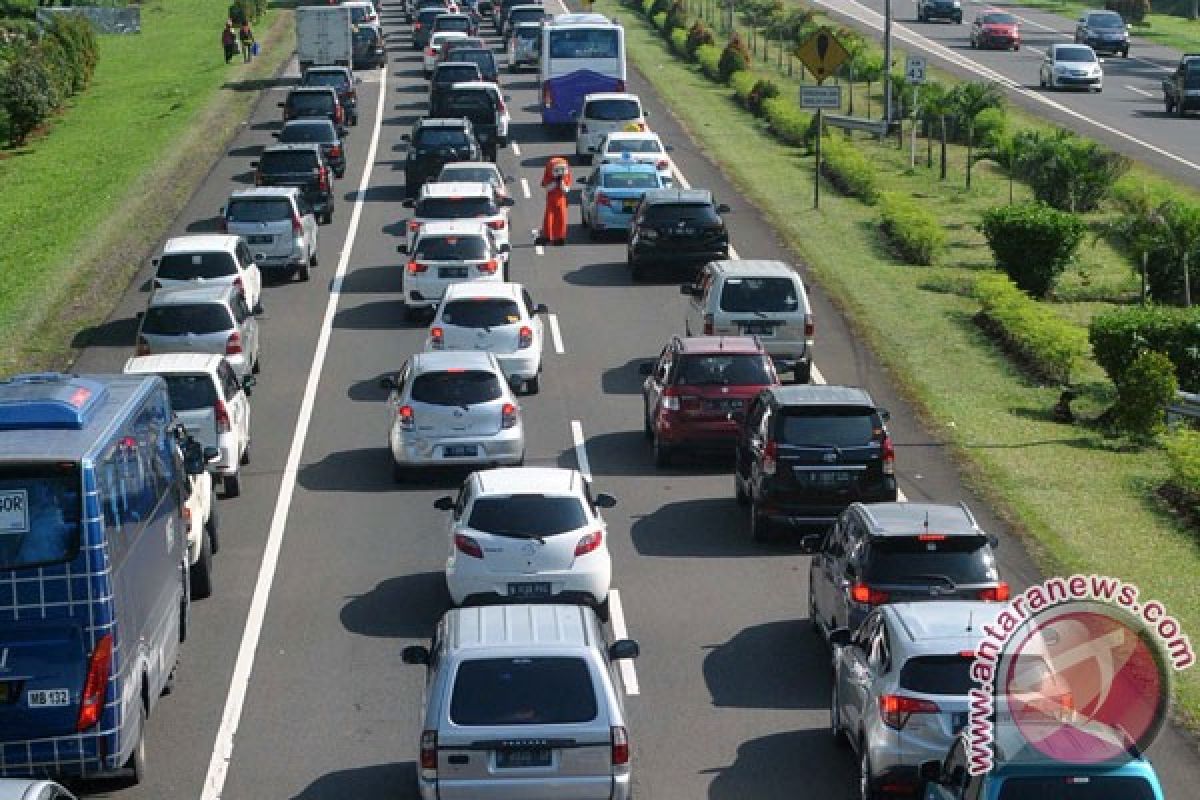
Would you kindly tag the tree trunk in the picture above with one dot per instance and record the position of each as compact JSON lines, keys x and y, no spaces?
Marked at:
{"x":851,"y":89}
{"x":868,"y":99}
{"x":970,"y":150}
{"x":928,"y":143}
{"x":943,"y":126}
{"x":1195,"y":12}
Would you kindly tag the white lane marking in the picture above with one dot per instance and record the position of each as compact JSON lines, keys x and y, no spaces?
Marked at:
{"x":564,"y":7}
{"x":222,"y":753}
{"x":556,"y":334}
{"x":516,"y":148}
{"x":817,"y":377}
{"x":539,"y":250}
{"x":900,"y":496}
{"x":1142,"y":92}
{"x":616,"y":617}
{"x":581,"y":458}
{"x":525,"y":189}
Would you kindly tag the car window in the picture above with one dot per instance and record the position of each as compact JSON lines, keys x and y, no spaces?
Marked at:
{"x":451,"y":248}
{"x":629,"y":180}
{"x":528,"y":34}
{"x":288,"y":161}
{"x":914,"y":559}
{"x":365,"y":35}
{"x":456,"y":73}
{"x":469,"y":175}
{"x":191,"y":392}
{"x":944,"y":674}
{"x":482,"y":312}
{"x":461,"y":388}
{"x":1061,"y":787}
{"x":192,"y":318}
{"x":1106,"y":21}
{"x":484,"y":59}
{"x":229,"y":379}
{"x":259,"y":210}
{"x":441,"y":137}
{"x":759,"y":294}
{"x":452,"y":24}
{"x":583,"y":43}
{"x":306,"y":132}
{"x":612,"y":110}
{"x":311,"y":101}
{"x":694,"y":213}
{"x":1075,"y":54}
{"x":829,"y":426}
{"x":741,"y":369}
{"x":48,"y":531}
{"x":455,"y":207}
{"x":241,"y":311}
{"x":634,"y":146}
{"x":427,"y":16}
{"x":186,"y":266}
{"x":1191,"y":78}
{"x":999,"y":19}
{"x":335,"y":79}
{"x":523,"y":691}
{"x":527,"y":516}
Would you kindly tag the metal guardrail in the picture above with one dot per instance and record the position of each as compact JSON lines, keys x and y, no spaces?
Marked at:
{"x":873,"y":126}
{"x":1185,"y":407}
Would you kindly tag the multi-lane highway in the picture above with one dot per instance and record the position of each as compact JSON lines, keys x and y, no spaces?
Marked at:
{"x":292,"y":685}
{"x":1127,"y":116}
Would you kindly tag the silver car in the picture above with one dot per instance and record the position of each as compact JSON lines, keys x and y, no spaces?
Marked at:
{"x":520,"y":705}
{"x":452,"y":408}
{"x":214,"y":319}
{"x":22,"y":789}
{"x":277,"y":223}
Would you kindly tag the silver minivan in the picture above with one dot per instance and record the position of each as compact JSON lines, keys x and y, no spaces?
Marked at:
{"x":278,"y":223}
{"x":521,"y":703}
{"x":766,"y":299}
{"x":214,"y":319}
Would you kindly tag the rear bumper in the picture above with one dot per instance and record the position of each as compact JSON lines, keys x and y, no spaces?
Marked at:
{"x":506,"y":448}
{"x":991,"y":40}
{"x":714,"y":434}
{"x":601,"y":787}
{"x":799,"y":509}
{"x":77,"y":756}
{"x":520,"y":366}
{"x":667,"y":254}
{"x":468,"y":587}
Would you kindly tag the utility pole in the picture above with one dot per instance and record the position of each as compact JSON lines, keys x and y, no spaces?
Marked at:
{"x":887,"y":68}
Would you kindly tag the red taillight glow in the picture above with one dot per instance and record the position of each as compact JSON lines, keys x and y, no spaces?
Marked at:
{"x":413,"y":225}
{"x":547,"y":96}
{"x":408,"y":422}
{"x":770,"y":458}
{"x":238,"y":283}
{"x":221,"y":416}
{"x":588,"y":543}
{"x":496,"y":224}
{"x":233,"y":345}
{"x":323,"y":178}
{"x":429,"y":750}
{"x":338,"y":114}
{"x":810,"y":327}
{"x":335,"y":151}
{"x":525,"y":337}
{"x":508,"y":416}
{"x":895,"y":709}
{"x":603,"y":200}
{"x":467,"y":546}
{"x":931,"y":537}
{"x":143,"y":347}
{"x":865,"y":595}
{"x":95,"y":686}
{"x":297,"y":226}
{"x":187,"y":517}
{"x":889,"y":456}
{"x":415,"y":267}
{"x":620,"y":746}
{"x":708,"y":324}
{"x":998,"y":594}
{"x":663,"y":164}
{"x":429,"y":51}
{"x":437,"y":337}
{"x":488,"y":267}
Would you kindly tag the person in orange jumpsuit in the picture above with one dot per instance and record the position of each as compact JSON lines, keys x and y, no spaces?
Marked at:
{"x":556,"y":180}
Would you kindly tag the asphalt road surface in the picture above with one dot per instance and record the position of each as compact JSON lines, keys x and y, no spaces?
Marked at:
{"x":1127,"y":116}
{"x":292,"y":685}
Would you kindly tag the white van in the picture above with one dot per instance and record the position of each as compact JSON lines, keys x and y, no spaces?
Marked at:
{"x":604,"y":113}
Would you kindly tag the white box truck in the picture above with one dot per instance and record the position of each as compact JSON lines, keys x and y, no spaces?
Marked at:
{"x":324,"y":36}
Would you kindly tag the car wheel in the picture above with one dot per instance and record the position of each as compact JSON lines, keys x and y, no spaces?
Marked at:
{"x":1016,"y":47}
{"x":201,"y":571}
{"x":636,"y":270}
{"x":835,"y":719}
{"x":213,"y":525}
{"x":663,"y":453}
{"x":1125,"y":53}
{"x":1041,"y":80}
{"x":257,"y":368}
{"x":813,"y":615}
{"x":246,"y":454}
{"x":232,"y":484}
{"x":533,"y":385}
{"x":1169,"y":105}
{"x":974,"y":45}
{"x":135,"y":767}
{"x":603,"y":611}
{"x":647,"y":427}
{"x":1180,"y":111}
{"x":593,"y":234}
{"x":313,"y":261}
{"x":760,"y":525}
{"x":302,"y":270}
{"x":340,"y":174}
{"x":803,"y":372}
{"x":866,"y":787}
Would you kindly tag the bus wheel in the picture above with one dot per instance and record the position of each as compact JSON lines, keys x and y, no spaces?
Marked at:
{"x":135,"y":767}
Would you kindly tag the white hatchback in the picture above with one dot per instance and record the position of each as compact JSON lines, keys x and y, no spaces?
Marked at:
{"x":528,"y":534}
{"x":604,"y":113}
{"x":445,"y":253}
{"x":499,"y":318}
{"x":643,"y":147}
{"x":200,"y":259}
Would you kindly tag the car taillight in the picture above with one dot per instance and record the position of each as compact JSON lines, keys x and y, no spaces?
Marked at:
{"x":496,"y":224}
{"x":488,"y":267}
{"x":233,"y":345}
{"x":408,"y":421}
{"x":437,"y":338}
{"x":415,"y":267}
{"x":467,"y":546}
{"x":770,"y":458}
{"x":865,"y":595}
{"x":547,"y":96}
{"x":641,"y":126}
{"x":603,"y":200}
{"x":895,"y":709}
{"x":525,"y":337}
{"x":501,"y":107}
{"x":338,"y":114}
{"x":221,"y":417}
{"x":429,"y":51}
{"x":997,"y":594}
{"x":413,"y":225}
{"x":620,"y":746}
{"x":429,"y":754}
{"x":323,"y":178}
{"x":889,"y":456}
{"x":143,"y":347}
{"x":417,"y":26}
{"x":508,"y":416}
{"x":810,"y":327}
{"x":187,"y":518}
{"x":670,"y":399}
{"x":95,"y":685}
{"x":297,"y":225}
{"x":708,"y":324}
{"x":238,"y":283}
{"x":663,"y":164}
{"x":335,"y":151}
{"x":588,"y":542}
{"x":258,"y":178}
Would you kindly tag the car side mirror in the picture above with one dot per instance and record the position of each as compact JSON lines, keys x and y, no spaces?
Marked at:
{"x":541,"y":308}
{"x":605,"y":500}
{"x":249,"y":382}
{"x":593,"y":149}
{"x":154,"y":262}
{"x":646,"y":368}
{"x":388,"y":382}
{"x":840,"y":637}
{"x":415,"y":655}
{"x":930,"y":771}
{"x":506,"y":248}
{"x":402,"y":248}
{"x":221,"y":211}
{"x":357,"y":79}
{"x":444,"y":503}
{"x":193,"y":459}
{"x":408,"y":202}
{"x":260,"y":257}
{"x":211,"y":455}
{"x":343,"y":130}
{"x":993,"y":540}
{"x":623,"y":649}
{"x":723,"y":209}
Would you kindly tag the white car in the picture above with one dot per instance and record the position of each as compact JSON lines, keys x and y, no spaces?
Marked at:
{"x":528,"y":534}
{"x":203,"y":259}
{"x":498,"y":318}
{"x":475,"y":172}
{"x":278,"y":222}
{"x":1071,"y":66}
{"x":200,"y":515}
{"x":445,"y":253}
{"x":450,"y":201}
{"x":435,"y":47}
{"x":643,"y":147}
{"x":606,"y":112}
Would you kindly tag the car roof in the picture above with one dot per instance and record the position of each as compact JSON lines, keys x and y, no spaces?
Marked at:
{"x":186,"y":295}
{"x":457,"y":227}
{"x":1066,"y":45}
{"x":627,"y":165}
{"x":954,"y":625}
{"x":201,"y":242}
{"x":527,"y":626}
{"x":330,"y":68}
{"x":516,"y":480}
{"x":913,"y":519}
{"x":614,"y":136}
{"x":173,"y":363}
{"x":485,"y":85}
{"x":272,"y":192}
{"x":442,"y":122}
{"x":719,"y":344}
{"x":475,"y":289}
{"x":443,"y":36}
{"x":803,"y":394}
{"x":753,"y":266}
{"x":655,"y":197}
{"x":445,"y":360}
{"x":457,"y":188}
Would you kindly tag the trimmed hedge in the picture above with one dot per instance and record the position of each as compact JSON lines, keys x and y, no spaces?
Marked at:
{"x":734,"y":58}
{"x":743,"y":82}
{"x":1183,"y":456}
{"x":848,"y":169}
{"x":1143,"y":394}
{"x":1120,"y":335}
{"x":763,"y":91}
{"x":709,"y":58}
{"x":912,"y":231}
{"x":698,"y":36}
{"x":1051,"y":347}
{"x":39,"y":76}
{"x":1032,"y":243}
{"x":679,"y":42}
{"x":660,"y":21}
{"x":788,"y":123}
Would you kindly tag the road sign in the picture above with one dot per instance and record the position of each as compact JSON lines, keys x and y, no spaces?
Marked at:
{"x":820,"y":97}
{"x":914,"y":70}
{"x":822,"y":53}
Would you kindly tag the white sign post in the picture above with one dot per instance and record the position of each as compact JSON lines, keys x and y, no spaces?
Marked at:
{"x":914,"y":74}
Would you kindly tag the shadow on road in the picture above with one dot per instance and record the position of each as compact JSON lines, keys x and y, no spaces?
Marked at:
{"x":404,"y":607}
{"x":769,"y":768}
{"x":111,"y":333}
{"x":397,"y":781}
{"x":747,"y":671}
{"x":711,"y":527}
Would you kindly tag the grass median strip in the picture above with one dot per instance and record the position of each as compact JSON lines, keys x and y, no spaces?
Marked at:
{"x":1082,"y":501}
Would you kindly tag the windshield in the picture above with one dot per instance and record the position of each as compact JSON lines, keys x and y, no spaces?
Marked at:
{"x":484,"y":59}
{"x":999,"y":19}
{"x":629,"y":180}
{"x":455,"y":207}
{"x":365,"y":35}
{"x":527,"y":516}
{"x":829,"y":426}
{"x":1075,"y":54}
{"x":186,"y":266}
{"x":441,"y":137}
{"x":473,"y":104}
{"x":759,"y":294}
{"x":1106,"y":21}
{"x":181,"y":319}
{"x":1088,"y":787}
{"x":910,"y":559}
{"x":273,"y":210}
{"x":523,"y":691}
{"x":288,"y":161}
{"x":482,"y":312}
{"x":693,"y":213}
{"x":634,"y":146}
{"x":40,"y":514}
{"x":583,"y":43}
{"x":191,"y":392}
{"x":307,"y":132}
{"x":456,"y":388}
{"x":1191,"y":78}
{"x":612,"y":110}
{"x":726,"y":369}
{"x":469,"y":175}
{"x":451,"y":248}
{"x":335,"y":79}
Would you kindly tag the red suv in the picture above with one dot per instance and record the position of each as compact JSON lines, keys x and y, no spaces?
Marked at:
{"x":696,"y":393}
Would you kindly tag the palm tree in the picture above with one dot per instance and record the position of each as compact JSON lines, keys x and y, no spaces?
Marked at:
{"x":1179,"y":233}
{"x":1135,"y":229}
{"x":938,"y":103}
{"x":968,"y":100}
{"x":856,"y":46}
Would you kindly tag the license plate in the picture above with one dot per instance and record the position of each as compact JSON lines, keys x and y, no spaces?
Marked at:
{"x":48,"y":698}
{"x":259,"y":238}
{"x":758,"y":329}
{"x":460,"y":451}
{"x":452,"y":272}
{"x":684,"y":231}
{"x":520,"y":590}
{"x":516,"y":759}
{"x":825,"y":477}
{"x":723,"y":405}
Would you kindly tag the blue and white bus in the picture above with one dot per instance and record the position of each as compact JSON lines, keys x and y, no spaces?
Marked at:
{"x":93,"y":571}
{"x":581,"y":54}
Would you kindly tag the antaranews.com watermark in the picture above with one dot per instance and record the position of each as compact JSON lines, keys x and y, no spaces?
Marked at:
{"x":1074,"y":668}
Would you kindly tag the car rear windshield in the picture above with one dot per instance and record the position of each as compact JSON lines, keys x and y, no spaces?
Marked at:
{"x":999,"y":19}
{"x":724,"y":369}
{"x":693,"y":213}
{"x":529,"y":34}
{"x":311,"y":101}
{"x":442,"y":137}
{"x":308,"y":132}
{"x":191,"y":392}
{"x":185,"y":266}
{"x":265,"y":210}
{"x":1191,"y":78}
{"x":451,"y":248}
{"x":1061,"y":786}
{"x":612,"y":110}
{"x":527,"y":516}
{"x":483,"y":312}
{"x":456,"y":73}
{"x":475,"y":104}
{"x":468,"y":175}
{"x":629,"y":180}
{"x":919,"y":561}
{"x":40,"y":514}
{"x":949,"y":674}
{"x":337,"y":80}
{"x":523,"y":691}
{"x":427,"y":16}
{"x":1076,"y":54}
{"x":455,"y":207}
{"x":365,"y":35}
{"x":759,"y":294}
{"x":832,"y":426}
{"x":634,"y":146}
{"x":192,"y":318}
{"x":288,"y":161}
{"x":526,"y":15}
{"x":452,"y":24}
{"x":456,"y":388}
{"x":484,"y":59}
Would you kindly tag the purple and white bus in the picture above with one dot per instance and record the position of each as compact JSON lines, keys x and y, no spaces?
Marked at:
{"x":581,"y":54}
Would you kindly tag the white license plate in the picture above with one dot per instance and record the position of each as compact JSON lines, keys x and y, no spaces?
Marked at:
{"x":48,"y":698}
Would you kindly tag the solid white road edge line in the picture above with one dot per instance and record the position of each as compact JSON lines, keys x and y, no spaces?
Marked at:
{"x":1142,"y":92}
{"x":556,"y":334}
{"x":581,"y":458}
{"x":616,"y":618}
{"x":525,"y":189}
{"x":222,"y":754}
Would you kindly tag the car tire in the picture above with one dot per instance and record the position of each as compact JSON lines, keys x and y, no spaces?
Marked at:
{"x":313,"y":260}
{"x":1041,"y":80}
{"x":1125,"y":53}
{"x":803,"y":372}
{"x":739,"y":493}
{"x":835,"y":719}
{"x":303,"y":270}
{"x":201,"y":572}
{"x":257,"y":368}
{"x":245,"y":459}
{"x":593,"y":234}
{"x":647,"y":426}
{"x":760,"y":525}
{"x":135,"y":767}
{"x":327,"y":218}
{"x":603,"y":611}
{"x":663,"y":454}
{"x":866,"y":787}
{"x":974,"y":45}
{"x":1180,"y":111}
{"x":636,"y":271}
{"x":399,"y":472}
{"x":813,"y":615}
{"x":232,"y":484}
{"x":340,"y":174}
{"x":213,"y":526}
{"x":533,"y":385}
{"x":1170,"y":107}
{"x":1016,"y":48}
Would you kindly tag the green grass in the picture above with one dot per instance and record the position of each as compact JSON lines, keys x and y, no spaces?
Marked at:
{"x":1164,"y":29}
{"x":1081,"y":501}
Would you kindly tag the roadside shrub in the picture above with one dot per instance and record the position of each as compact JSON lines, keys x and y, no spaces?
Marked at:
{"x":1032,"y":243}
{"x":1049,"y":346}
{"x":659,"y":7}
{"x":27,"y":92}
{"x":660,"y":21}
{"x":1068,"y":172}
{"x":1134,"y":11}
{"x":734,"y":57}
{"x":698,"y":36}
{"x":1120,"y":335}
{"x":676,"y":16}
{"x":991,"y":125}
{"x":709,"y":58}
{"x":743,"y":83}
{"x":648,"y":7}
{"x":912,"y":231}
{"x":60,"y":66}
{"x":1143,"y":394}
{"x":787,"y":122}
{"x":763,"y":91}
{"x":1183,"y":457}
{"x":848,"y":169}
{"x":679,"y":42}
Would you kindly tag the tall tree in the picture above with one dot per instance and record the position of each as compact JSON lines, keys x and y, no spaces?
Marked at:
{"x":939,"y":103}
{"x":968,"y":100}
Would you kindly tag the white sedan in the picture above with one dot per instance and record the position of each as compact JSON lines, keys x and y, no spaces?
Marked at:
{"x":1071,"y":66}
{"x":643,"y":147}
{"x":528,"y":534}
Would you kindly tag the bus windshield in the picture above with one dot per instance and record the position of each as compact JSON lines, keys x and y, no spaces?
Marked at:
{"x":40,"y":513}
{"x":583,"y":43}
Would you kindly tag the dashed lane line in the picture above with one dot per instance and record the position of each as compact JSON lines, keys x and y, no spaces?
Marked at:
{"x":556,"y":335}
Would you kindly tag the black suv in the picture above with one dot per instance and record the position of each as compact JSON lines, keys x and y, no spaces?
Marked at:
{"x":433,"y":144}
{"x":317,"y":131}
{"x":481,"y":57}
{"x":939,"y":9}
{"x":423,"y":26}
{"x":314,"y":101}
{"x":477,"y":105}
{"x":342,"y":81}
{"x":676,"y":225}
{"x":899,"y":553}
{"x":446,"y":75}
{"x":1104,"y":31}
{"x":806,"y":452}
{"x":370,"y":49}
{"x":300,"y":165}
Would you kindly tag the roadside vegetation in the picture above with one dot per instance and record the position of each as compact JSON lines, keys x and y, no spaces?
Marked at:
{"x":1067,"y":444}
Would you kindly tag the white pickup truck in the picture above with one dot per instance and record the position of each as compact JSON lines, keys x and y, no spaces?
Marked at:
{"x":200,"y":514}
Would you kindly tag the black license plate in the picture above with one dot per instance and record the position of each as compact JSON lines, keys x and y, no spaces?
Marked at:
{"x":520,"y":590}
{"x":516,"y":759}
{"x":460,"y":451}
{"x":452,"y":272}
{"x":259,"y":238}
{"x":824,"y":478}
{"x":758,"y":328}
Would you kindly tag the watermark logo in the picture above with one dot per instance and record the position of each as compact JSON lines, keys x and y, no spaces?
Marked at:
{"x":1074,"y":670}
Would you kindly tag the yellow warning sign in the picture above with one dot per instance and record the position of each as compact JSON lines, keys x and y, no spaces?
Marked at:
{"x":822,"y":53}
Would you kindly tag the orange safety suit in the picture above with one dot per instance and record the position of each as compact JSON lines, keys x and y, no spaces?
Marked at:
{"x":554,"y":221}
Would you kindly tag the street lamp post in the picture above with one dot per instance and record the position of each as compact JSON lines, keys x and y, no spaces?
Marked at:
{"x":887,"y":67}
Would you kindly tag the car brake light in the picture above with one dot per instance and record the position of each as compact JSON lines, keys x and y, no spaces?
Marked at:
{"x":663,"y":164}
{"x":488,"y":267}
{"x":221,"y":416}
{"x":931,"y":537}
{"x":408,"y":422}
{"x":413,"y":225}
{"x":187,"y":517}
{"x":708,"y":324}
{"x":620,"y":746}
{"x":143,"y":347}
{"x":95,"y":685}
{"x":437,"y":337}
{"x":997,"y":594}
{"x":467,"y":546}
{"x":670,"y":399}
{"x":895,"y":709}
{"x":297,"y":225}
{"x":603,"y":200}
{"x":589,"y":542}
{"x":525,"y":337}
{"x":323,"y":178}
{"x":233,"y":345}
{"x":238,"y":283}
{"x":865,"y":595}
{"x":415,"y":267}
{"x":770,"y":458}
{"x":547,"y":96}
{"x":335,"y":151}
{"x":641,"y":126}
{"x":429,"y":754}
{"x":889,"y":456}
{"x":429,"y":51}
{"x":810,"y":328}
{"x":337,"y":114}
{"x":508,"y":416}
{"x":496,"y":224}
